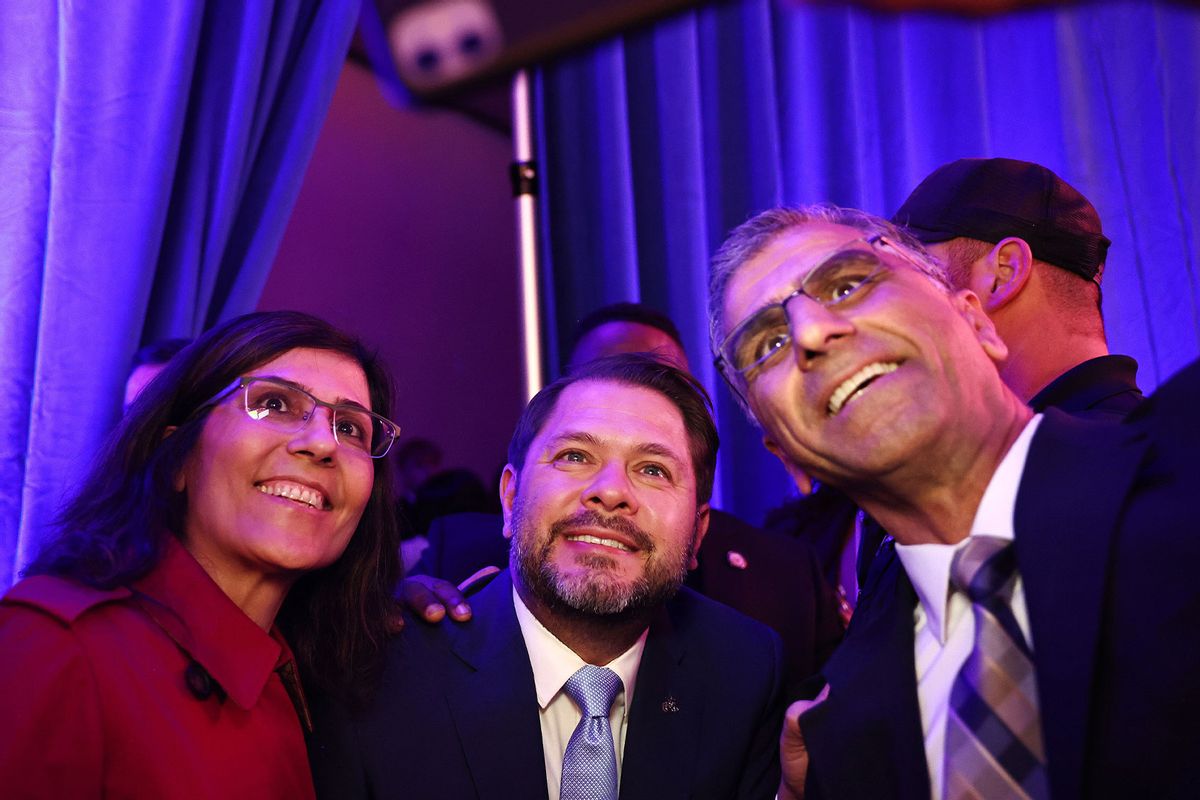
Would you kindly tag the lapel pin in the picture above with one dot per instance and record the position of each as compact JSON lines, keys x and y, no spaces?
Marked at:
{"x":670,"y":705}
{"x":736,"y":560}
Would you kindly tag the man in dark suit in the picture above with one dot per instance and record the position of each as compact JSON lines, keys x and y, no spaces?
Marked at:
{"x":773,"y":579}
{"x":1032,"y":631}
{"x":606,"y":500}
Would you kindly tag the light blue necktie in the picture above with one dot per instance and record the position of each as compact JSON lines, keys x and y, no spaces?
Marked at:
{"x":589,"y":770}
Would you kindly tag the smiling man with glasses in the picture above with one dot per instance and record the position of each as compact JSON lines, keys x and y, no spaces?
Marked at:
{"x":842,"y":280}
{"x":868,"y":325}
{"x":1006,"y":646}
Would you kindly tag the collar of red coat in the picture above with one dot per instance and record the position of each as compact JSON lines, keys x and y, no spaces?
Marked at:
{"x":185,"y":602}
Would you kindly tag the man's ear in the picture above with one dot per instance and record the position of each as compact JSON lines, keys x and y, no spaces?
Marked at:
{"x":802,"y":479}
{"x":703,"y":517}
{"x":971,"y":309}
{"x":508,"y":492}
{"x":1006,"y":269}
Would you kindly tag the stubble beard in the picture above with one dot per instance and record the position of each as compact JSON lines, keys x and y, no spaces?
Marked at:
{"x":598,"y":591}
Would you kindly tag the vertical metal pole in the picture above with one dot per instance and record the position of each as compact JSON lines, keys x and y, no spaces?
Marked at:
{"x":524,"y":179}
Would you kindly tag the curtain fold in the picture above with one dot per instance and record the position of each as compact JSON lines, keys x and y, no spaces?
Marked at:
{"x":741,"y":106}
{"x":151,"y":154}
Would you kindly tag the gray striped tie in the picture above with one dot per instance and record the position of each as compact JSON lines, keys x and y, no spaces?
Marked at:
{"x":993,"y":731}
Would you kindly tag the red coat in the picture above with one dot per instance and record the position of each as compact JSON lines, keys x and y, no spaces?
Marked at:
{"x":95,"y":698}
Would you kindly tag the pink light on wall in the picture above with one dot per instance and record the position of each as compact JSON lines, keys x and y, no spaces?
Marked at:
{"x":403,"y":233}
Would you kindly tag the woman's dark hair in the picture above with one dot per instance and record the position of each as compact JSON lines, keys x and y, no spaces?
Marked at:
{"x":113,"y":531}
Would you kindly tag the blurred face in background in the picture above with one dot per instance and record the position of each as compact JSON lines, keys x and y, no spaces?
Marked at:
{"x":139,"y":379}
{"x":614,"y":338}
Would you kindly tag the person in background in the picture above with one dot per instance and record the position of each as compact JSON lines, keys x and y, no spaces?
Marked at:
{"x":586,"y":670}
{"x":449,"y":491}
{"x":414,"y":460}
{"x":1032,"y":248}
{"x":148,"y":361}
{"x":235,"y":534}
{"x":626,"y":328}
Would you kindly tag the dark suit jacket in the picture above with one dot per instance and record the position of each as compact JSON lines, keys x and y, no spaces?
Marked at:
{"x":1107,"y":545}
{"x":1104,"y":387}
{"x":457,"y":715}
{"x":773,"y":579}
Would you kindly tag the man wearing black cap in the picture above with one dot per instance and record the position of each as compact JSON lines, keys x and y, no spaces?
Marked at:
{"x":1031,"y":247}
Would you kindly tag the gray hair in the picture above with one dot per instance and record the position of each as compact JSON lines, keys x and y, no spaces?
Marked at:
{"x":751,"y":237}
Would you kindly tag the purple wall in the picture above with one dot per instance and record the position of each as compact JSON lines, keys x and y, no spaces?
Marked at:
{"x":404,"y":234}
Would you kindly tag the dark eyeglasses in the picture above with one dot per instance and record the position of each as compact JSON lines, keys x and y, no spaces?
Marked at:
{"x":288,"y":408}
{"x":838,"y":279}
{"x":841,"y":279}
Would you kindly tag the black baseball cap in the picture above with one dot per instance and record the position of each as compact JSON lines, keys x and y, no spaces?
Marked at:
{"x":993,"y":198}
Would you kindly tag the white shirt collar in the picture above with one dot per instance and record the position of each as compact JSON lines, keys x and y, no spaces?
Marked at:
{"x":928,"y":565}
{"x":553,"y":662}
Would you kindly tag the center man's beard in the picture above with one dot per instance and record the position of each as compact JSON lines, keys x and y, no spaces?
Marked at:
{"x":600,"y":591}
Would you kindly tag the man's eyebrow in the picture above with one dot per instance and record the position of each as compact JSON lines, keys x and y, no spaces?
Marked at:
{"x":338,"y":401}
{"x":643,"y":448}
{"x":574,"y":437}
{"x":849,"y":251}
{"x":660,"y":450}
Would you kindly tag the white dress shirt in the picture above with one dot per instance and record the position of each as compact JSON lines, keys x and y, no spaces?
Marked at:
{"x":943,"y":623}
{"x":553,"y":663}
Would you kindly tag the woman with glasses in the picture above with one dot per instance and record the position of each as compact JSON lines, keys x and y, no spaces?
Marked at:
{"x":234,"y":535}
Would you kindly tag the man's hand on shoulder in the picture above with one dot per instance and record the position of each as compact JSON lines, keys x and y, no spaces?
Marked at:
{"x":430,"y":597}
{"x":793,"y":754}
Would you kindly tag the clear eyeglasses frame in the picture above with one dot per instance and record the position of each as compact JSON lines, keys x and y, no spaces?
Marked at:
{"x":288,"y":408}
{"x":840,"y":279}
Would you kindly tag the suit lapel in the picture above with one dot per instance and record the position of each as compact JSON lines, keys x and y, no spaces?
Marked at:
{"x":664,"y":721}
{"x":1076,"y":478}
{"x":494,"y":704}
{"x":865,"y":740}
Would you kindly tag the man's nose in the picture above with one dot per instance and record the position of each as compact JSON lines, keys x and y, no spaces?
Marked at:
{"x":611,"y":489}
{"x":814,"y":329}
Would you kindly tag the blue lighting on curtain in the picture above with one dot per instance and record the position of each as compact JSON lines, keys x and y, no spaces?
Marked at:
{"x":151,"y":154}
{"x":671,"y":136}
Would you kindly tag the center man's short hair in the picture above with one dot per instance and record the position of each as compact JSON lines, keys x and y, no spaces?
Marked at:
{"x":640,"y":370}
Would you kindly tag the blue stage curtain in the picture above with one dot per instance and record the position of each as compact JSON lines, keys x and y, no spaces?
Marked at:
{"x":656,"y":144}
{"x":150,"y":153}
